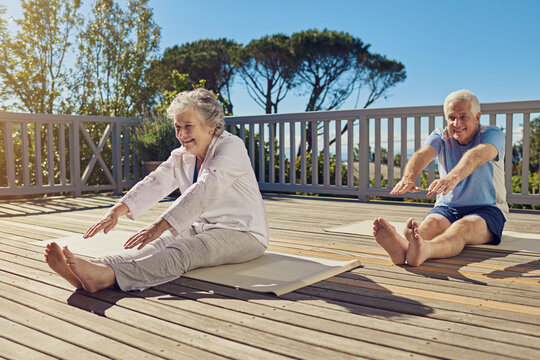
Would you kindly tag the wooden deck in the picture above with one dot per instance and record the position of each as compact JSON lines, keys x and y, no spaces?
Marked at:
{"x":480,"y":305}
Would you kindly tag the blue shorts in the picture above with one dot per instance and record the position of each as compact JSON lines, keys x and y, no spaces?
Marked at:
{"x":492,"y":215}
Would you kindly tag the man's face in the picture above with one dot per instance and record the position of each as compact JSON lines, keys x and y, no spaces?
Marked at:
{"x":462,"y":123}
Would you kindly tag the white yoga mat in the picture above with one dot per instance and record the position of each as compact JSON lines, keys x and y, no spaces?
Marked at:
{"x":511,"y":240}
{"x":273,"y":272}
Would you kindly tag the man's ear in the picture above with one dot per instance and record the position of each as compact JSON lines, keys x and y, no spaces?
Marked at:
{"x":478,"y":115}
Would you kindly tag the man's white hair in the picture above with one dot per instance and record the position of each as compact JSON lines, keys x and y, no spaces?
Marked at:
{"x":463,"y":96}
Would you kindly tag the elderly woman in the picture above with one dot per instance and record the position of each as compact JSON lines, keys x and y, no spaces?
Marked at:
{"x":220,"y":217}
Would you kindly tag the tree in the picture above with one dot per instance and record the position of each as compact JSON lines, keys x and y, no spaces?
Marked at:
{"x":326,"y":63}
{"x":268,"y":66}
{"x":327,"y":60}
{"x":183,"y":82}
{"x":379,"y":74}
{"x":208,"y":60}
{"x":534,"y":149}
{"x":4,"y":41}
{"x":115,"y":49}
{"x":32,"y":67}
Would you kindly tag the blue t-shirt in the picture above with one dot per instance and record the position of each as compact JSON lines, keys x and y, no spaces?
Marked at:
{"x":485,"y":186}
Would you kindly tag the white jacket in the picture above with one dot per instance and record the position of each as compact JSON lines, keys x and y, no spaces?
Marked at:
{"x":226,"y":194}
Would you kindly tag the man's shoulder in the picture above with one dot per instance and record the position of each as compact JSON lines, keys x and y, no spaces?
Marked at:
{"x":486,"y":129}
{"x":491,"y":133}
{"x":437,"y":134}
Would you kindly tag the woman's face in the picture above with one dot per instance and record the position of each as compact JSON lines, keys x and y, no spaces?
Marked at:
{"x":192,"y":134}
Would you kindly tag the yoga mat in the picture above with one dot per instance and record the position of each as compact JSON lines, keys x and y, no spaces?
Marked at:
{"x":511,"y":240}
{"x":273,"y":272}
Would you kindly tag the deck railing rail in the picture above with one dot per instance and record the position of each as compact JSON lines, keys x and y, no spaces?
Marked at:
{"x":364,"y":159}
{"x":373,"y":136}
{"x":40,"y":158}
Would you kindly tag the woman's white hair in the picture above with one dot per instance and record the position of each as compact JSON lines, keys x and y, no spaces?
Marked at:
{"x":204,"y":103}
{"x":463,"y":96}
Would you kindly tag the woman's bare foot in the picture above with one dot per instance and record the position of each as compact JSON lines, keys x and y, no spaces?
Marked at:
{"x":57,"y":262}
{"x":93,"y":277}
{"x":418,"y":248}
{"x":394,"y":244}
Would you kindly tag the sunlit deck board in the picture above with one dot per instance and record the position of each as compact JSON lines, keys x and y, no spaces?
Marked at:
{"x":481,"y":303}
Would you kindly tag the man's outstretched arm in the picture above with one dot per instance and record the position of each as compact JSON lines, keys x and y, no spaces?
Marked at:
{"x":420,"y":159}
{"x":470,"y":161}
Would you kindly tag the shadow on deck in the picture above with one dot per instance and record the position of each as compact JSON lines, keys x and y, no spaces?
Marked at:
{"x":482,"y":303}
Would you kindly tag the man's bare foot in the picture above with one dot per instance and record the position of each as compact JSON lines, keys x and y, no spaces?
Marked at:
{"x":57,"y":262}
{"x":395,"y":245}
{"x":418,"y":248}
{"x":93,"y":277}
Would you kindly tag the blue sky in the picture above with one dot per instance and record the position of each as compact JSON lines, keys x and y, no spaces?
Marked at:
{"x":491,"y":47}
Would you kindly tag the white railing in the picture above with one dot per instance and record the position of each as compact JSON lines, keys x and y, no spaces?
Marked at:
{"x":396,"y":130}
{"x":359,"y":162}
{"x":44,"y":153}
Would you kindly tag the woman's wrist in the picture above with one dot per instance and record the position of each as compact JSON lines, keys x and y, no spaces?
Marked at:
{"x":162,"y":225}
{"x":119,"y":209}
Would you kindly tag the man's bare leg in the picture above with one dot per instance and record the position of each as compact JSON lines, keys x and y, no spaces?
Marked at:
{"x":433,"y":225}
{"x":393,"y":243}
{"x":468,"y":230}
{"x":419,"y":249}
{"x":56,"y":261}
{"x":93,"y":277}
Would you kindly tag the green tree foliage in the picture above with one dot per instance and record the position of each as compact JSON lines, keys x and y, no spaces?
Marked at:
{"x":209,"y":60}
{"x":380,"y":74}
{"x":333,"y":64}
{"x":320,"y":169}
{"x":534,"y":150}
{"x":268,"y":66}
{"x":327,"y":60}
{"x":184,"y":82}
{"x":156,"y":139}
{"x":4,"y":41}
{"x":33,"y":64}
{"x":115,"y":48}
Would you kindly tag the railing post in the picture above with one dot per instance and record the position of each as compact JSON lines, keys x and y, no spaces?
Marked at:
{"x":75,"y":156}
{"x":508,"y":152}
{"x":10,"y":159}
{"x":25,"y":160}
{"x":117,"y":156}
{"x":525,"y":152}
{"x":363,"y":158}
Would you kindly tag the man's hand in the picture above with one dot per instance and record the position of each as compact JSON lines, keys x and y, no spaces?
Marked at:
{"x":108,"y":222}
{"x":442,"y":186}
{"x":419,"y":160}
{"x":403,"y":186}
{"x":148,"y":234}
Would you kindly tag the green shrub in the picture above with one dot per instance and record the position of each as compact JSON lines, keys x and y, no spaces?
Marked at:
{"x":156,"y":139}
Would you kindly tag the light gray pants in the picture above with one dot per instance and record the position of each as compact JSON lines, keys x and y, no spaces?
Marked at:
{"x":167,"y":257}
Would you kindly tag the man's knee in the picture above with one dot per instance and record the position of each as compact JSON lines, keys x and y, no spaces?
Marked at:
{"x":433,"y":225}
{"x":473,"y":229}
{"x":471,"y":224}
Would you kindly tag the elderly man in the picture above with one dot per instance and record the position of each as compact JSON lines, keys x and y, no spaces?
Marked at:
{"x":471,"y":198}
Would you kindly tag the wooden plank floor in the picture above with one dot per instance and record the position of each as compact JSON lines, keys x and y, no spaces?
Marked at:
{"x":483,"y":304}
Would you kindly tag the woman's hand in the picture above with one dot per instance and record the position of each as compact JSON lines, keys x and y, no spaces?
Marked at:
{"x":150,"y":233}
{"x":109,"y":221}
